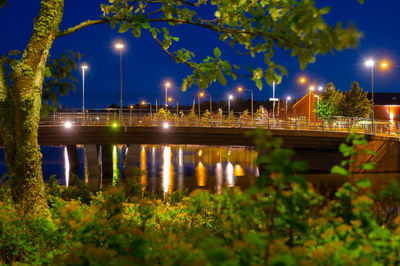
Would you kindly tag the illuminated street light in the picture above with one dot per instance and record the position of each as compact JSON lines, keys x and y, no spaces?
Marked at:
{"x":84,"y":67}
{"x":320,"y":88}
{"x":311,"y":88}
{"x":68,"y":124}
{"x":287,"y":99}
{"x":120,"y":46}
{"x":167,"y":84}
{"x":177,"y":104}
{"x":370,"y":63}
{"x":229,"y":104}
{"x":203,"y":94}
{"x":240,"y":89}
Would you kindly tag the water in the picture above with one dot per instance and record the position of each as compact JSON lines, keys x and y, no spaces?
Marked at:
{"x":167,"y":167}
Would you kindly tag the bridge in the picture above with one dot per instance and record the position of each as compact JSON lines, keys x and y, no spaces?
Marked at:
{"x":316,"y":141}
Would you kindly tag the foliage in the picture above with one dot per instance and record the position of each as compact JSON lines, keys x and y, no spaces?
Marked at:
{"x":355,"y":103}
{"x":329,"y":102}
{"x":206,"y":118}
{"x":281,"y":220}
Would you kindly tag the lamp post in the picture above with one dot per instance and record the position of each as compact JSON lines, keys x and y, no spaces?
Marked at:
{"x":198,"y":103}
{"x":120,"y":46}
{"x":240,"y":89}
{"x":177,"y":105}
{"x":84,"y":66}
{"x":370,"y":63}
{"x":311,"y":88}
{"x":229,"y":104}
{"x":151,"y":112}
{"x":130,"y":114}
{"x":287,"y":99}
{"x":202,"y":94}
{"x":167,"y":84}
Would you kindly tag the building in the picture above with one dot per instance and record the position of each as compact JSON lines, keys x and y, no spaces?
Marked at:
{"x":386,"y":105}
{"x":305,"y":106}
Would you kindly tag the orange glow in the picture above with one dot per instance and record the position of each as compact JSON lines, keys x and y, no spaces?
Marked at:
{"x":239,"y":171}
{"x":201,"y":94}
{"x":131,"y":106}
{"x":384,"y":64}
{"x":167,"y":84}
{"x":169,"y":99}
{"x":302,"y":80}
{"x":143,"y":102}
{"x":312,"y":88}
{"x":200,"y":153}
{"x":240,"y":89}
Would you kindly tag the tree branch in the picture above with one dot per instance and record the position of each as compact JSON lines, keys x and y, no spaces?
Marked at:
{"x":81,"y":26}
{"x":192,"y":66}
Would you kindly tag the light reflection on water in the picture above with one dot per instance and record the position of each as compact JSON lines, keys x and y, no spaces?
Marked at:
{"x":165,"y":168}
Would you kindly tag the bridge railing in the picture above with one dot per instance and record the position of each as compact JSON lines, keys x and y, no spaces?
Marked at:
{"x":184,"y":118}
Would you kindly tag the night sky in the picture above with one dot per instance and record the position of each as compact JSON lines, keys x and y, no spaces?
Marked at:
{"x":146,"y":66}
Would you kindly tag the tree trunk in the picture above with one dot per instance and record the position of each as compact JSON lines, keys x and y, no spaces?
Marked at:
{"x":20,"y":103}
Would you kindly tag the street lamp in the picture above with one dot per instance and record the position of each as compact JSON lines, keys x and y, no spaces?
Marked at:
{"x":167,"y":84}
{"x":240,"y":89}
{"x":311,"y":88}
{"x":203,"y":94}
{"x":370,"y":63}
{"x":84,"y":66}
{"x":229,"y":104}
{"x":151,"y":112}
{"x":120,"y":46}
{"x":177,"y":104}
{"x":287,"y":99}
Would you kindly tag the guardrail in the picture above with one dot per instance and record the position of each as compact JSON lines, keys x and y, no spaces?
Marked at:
{"x":109,"y":117}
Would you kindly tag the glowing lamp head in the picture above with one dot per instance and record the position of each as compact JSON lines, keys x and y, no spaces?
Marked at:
{"x":240,"y":89}
{"x":114,"y":125}
{"x":167,"y":84}
{"x":131,"y":106}
{"x":143,"y":102}
{"x":201,"y":94}
{"x":119,"y":46}
{"x":68,"y":124}
{"x":288,"y":98}
{"x":320,"y":88}
{"x":312,"y":88}
{"x":170,"y":99}
{"x":166,"y":125}
{"x":384,"y":64}
{"x":369,"y":63}
{"x":84,"y":67}
{"x":302,"y":80}
{"x":230,"y":97}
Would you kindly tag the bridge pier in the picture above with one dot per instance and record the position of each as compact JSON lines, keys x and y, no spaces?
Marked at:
{"x":93,"y":166}
{"x":131,"y":161}
{"x":106,"y":164}
{"x":73,"y":159}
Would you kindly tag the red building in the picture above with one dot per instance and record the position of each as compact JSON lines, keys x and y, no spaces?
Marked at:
{"x":386,"y":105}
{"x":305,"y":106}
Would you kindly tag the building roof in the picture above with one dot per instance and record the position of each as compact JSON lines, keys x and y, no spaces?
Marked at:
{"x":385,"y":98}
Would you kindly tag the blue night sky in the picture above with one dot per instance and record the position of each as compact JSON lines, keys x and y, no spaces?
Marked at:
{"x":146,"y":66}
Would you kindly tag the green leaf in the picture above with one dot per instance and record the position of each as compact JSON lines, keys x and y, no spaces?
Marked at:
{"x":364,"y":183}
{"x":217,"y":52}
{"x":336,"y":169}
{"x":221,"y":78}
{"x":369,"y":166}
{"x":259,"y":84}
{"x":124,"y":28}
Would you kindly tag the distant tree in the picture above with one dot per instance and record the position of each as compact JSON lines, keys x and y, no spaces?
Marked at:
{"x":206,"y":118}
{"x":329,"y":102}
{"x":355,"y":102}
